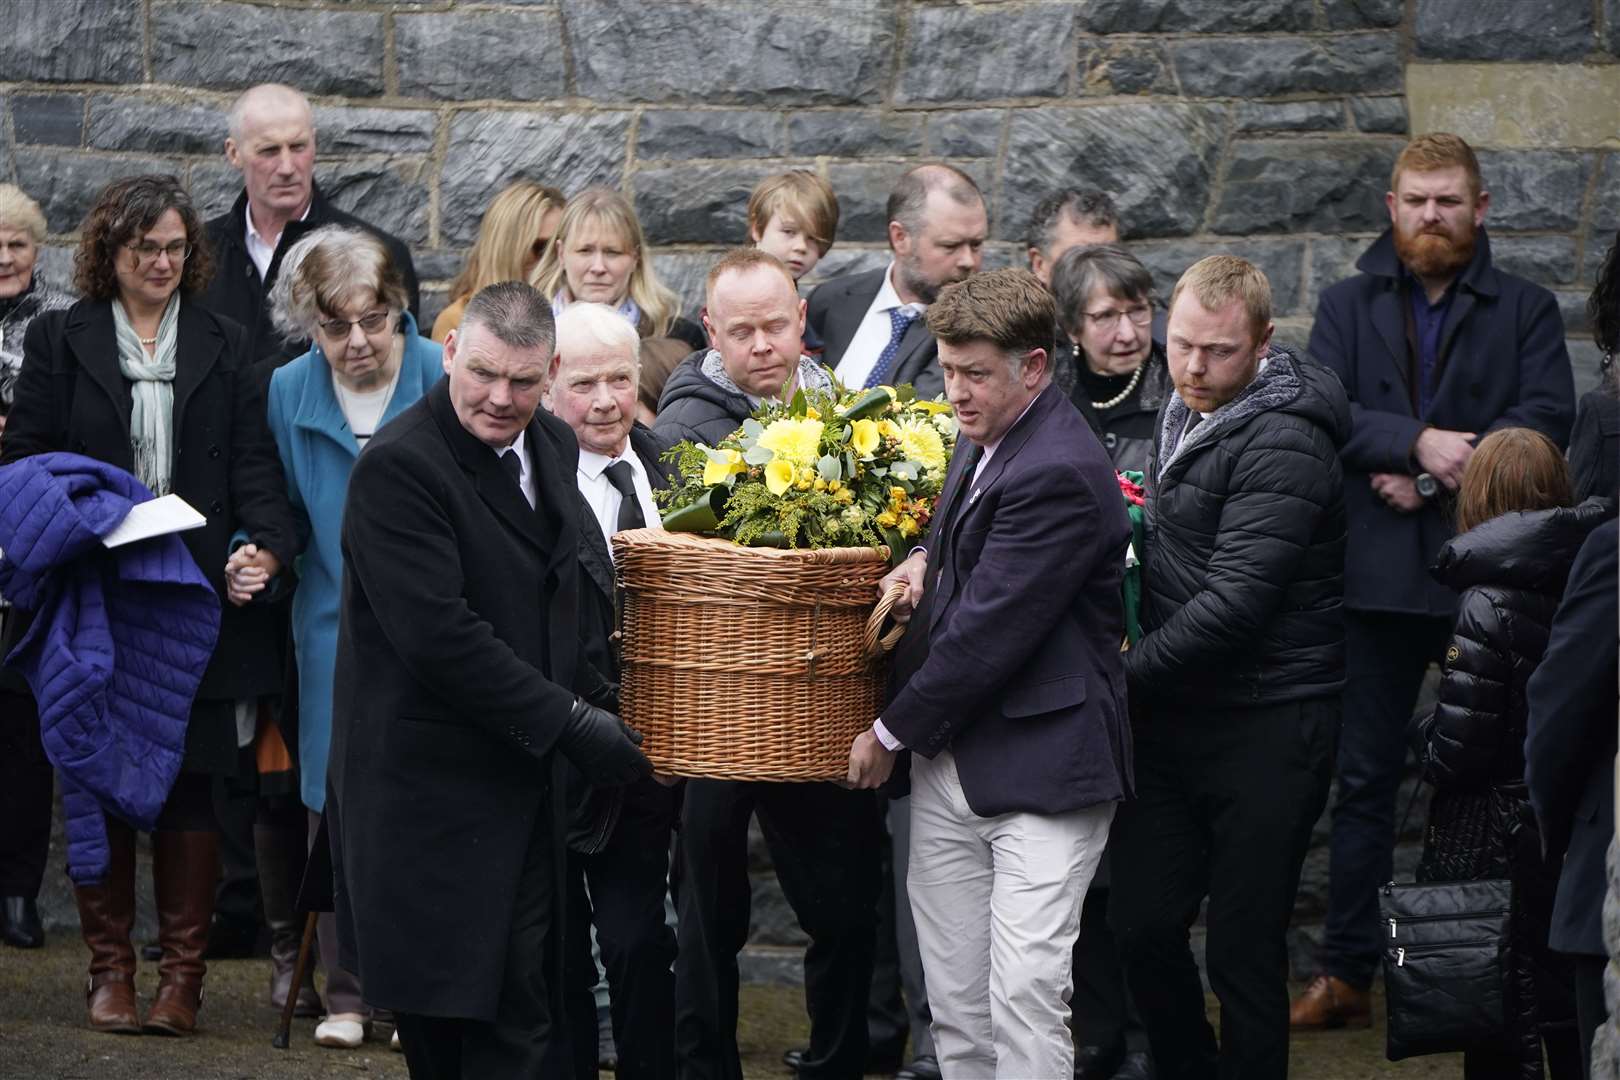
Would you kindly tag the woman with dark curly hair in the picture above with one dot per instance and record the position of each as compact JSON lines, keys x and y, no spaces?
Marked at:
{"x":1594,"y":443}
{"x":139,"y":376}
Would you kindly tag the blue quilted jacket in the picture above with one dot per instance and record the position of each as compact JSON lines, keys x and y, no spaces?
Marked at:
{"x":116,"y":648}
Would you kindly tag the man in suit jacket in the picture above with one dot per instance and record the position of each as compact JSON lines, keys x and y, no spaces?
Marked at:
{"x":618,"y":838}
{"x":1569,"y":752}
{"x":1010,"y":691}
{"x":871,"y":325}
{"x":458,"y":658}
{"x":1436,"y":349}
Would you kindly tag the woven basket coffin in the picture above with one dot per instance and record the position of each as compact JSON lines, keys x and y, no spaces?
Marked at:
{"x":749,"y":663}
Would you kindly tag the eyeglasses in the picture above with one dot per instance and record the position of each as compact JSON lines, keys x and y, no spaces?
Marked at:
{"x":147,"y":252}
{"x":1104,"y":321}
{"x":369,"y":323}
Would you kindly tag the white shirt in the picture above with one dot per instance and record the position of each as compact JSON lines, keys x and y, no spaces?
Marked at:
{"x":873,"y":335}
{"x":260,"y":250}
{"x":604,"y":498}
{"x":364,"y":409}
{"x":526,"y":474}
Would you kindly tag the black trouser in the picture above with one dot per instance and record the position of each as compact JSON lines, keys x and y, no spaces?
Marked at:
{"x":236,"y":808}
{"x":25,"y":797}
{"x":627,"y":882}
{"x":1590,"y":1008}
{"x":1385,"y":660}
{"x":898,"y":1004}
{"x":1225,"y":801}
{"x":823,"y":840}
{"x":529,"y":1036}
{"x":1104,"y":1014}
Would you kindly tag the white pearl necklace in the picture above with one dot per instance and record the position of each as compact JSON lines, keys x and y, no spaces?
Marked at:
{"x":1136,"y":377}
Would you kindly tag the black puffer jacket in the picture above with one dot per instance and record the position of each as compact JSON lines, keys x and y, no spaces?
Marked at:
{"x":694,"y":407}
{"x":1243,"y":582}
{"x":1511,"y":572}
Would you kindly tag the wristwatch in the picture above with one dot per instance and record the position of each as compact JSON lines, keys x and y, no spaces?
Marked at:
{"x":1427,"y":486}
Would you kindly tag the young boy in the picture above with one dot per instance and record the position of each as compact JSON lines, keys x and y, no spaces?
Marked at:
{"x":794,"y":216}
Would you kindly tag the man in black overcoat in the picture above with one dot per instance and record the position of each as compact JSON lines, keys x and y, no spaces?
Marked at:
{"x":458,"y":658}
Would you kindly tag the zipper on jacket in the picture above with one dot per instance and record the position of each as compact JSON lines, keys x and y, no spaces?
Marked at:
{"x":1448,"y":917}
{"x":1400,"y":953}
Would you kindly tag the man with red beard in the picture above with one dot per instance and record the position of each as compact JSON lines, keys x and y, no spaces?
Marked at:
{"x":1436,"y":348}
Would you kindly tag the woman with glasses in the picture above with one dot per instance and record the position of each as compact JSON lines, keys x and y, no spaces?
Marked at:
{"x":1105,"y":304}
{"x":516,"y":230}
{"x":339,"y":288}
{"x":140,"y":376}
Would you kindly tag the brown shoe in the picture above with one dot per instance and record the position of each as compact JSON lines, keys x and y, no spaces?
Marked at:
{"x":106,"y":918}
{"x":1330,"y":1002}
{"x":185,"y":867}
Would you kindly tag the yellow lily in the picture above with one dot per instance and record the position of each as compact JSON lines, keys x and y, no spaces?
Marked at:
{"x":778,"y":477}
{"x":865,"y":437}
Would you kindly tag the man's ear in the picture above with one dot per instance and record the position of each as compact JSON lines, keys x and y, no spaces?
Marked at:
{"x":233,"y":154}
{"x":1035,"y":363}
{"x":899,"y":239}
{"x":451,"y":341}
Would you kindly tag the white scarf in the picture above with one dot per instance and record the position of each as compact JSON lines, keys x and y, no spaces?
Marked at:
{"x":151,"y":419}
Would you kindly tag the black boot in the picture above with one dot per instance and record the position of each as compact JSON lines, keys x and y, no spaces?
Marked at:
{"x":19,"y":922}
{"x":280,"y":852}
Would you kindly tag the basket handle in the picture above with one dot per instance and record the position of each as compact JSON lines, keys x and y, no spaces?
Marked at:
{"x":877,"y":642}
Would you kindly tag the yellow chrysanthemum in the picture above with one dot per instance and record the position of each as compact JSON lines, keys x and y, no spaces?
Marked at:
{"x":865,"y":437}
{"x":795,"y":441}
{"x":718,"y":472}
{"x":920,"y":442}
{"x":778,"y":477}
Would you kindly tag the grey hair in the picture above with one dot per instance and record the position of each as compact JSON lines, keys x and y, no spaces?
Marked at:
{"x":515,"y":313}
{"x":1089,"y":207}
{"x":18,"y":211}
{"x":323,"y":270}
{"x":1082,"y":270}
{"x":910,"y":192}
{"x":582,"y":325}
{"x":252,"y":95}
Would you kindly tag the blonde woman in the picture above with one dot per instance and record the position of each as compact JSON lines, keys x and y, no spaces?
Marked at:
{"x":599,"y":255}
{"x":516,"y":232}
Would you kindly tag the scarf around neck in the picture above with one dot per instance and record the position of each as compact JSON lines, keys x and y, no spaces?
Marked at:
{"x":630,"y":311}
{"x":151,"y":418}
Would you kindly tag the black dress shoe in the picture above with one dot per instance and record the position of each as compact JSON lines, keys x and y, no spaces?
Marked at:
{"x":19,"y":922}
{"x":922,"y":1067}
{"x":1097,"y":1062}
{"x":1138,"y":1065}
{"x":793,"y":1058}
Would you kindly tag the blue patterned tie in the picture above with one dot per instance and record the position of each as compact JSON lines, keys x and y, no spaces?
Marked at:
{"x":900,"y":320}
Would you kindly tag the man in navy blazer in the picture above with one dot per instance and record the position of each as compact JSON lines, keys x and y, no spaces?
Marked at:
{"x":1010,"y":694}
{"x":1436,"y":348}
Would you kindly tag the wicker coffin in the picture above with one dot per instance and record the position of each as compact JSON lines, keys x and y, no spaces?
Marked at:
{"x":749,"y":663}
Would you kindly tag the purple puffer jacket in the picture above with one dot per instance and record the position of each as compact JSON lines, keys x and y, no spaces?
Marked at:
{"x":117,"y":647}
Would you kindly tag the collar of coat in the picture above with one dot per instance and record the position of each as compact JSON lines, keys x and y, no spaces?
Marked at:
{"x":1277,"y":383}
{"x":320,"y":211}
{"x":1479,"y":276}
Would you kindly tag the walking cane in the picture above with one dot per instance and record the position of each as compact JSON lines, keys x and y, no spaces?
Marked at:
{"x":284,"y":1031}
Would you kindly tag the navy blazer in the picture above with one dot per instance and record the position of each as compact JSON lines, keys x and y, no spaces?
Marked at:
{"x":1570,"y":741}
{"x":1503,"y":363}
{"x":835,"y":311}
{"x":1012,"y":660}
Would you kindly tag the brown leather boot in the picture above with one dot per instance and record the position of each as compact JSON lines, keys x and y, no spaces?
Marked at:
{"x":185,"y":869}
{"x":1330,"y":1002}
{"x":106,"y":917}
{"x":280,"y":854}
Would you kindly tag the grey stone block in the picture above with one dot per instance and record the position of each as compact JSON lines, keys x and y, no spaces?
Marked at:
{"x":55,"y":268}
{"x":438,"y":264}
{"x":1572,"y":306}
{"x":729,"y":51}
{"x":1543,"y":259}
{"x":342,"y":129}
{"x":771,"y":965}
{"x":1223,"y":16}
{"x":125,"y":122}
{"x":969,"y":133}
{"x":1502,"y":30}
{"x":676,"y":134}
{"x":48,"y":119}
{"x":1320,"y":185}
{"x":1381,"y":115}
{"x":1282,"y":260}
{"x":685,"y":272}
{"x":1586,"y":359}
{"x":393,"y":196}
{"x":863,"y":196}
{"x":1290,"y":116}
{"x":462,"y":56}
{"x":1264,"y":67}
{"x":842,"y":260}
{"x":71,"y":41}
{"x":435,"y":298}
{"x":1157,"y":161}
{"x":1332,"y":259}
{"x":1125,"y":67}
{"x":1611,"y":27}
{"x":696,"y":204}
{"x":489,"y":150}
{"x":1605,"y":217}
{"x":224,"y":45}
{"x":65,"y":183}
{"x":982,"y":54}
{"x":1535,"y":189}
{"x":850,"y":133}
{"x":214,"y":186}
{"x":1354,"y":14}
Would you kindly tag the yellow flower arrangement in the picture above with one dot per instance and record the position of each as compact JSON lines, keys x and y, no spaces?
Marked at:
{"x":795,"y":441}
{"x":729,"y":464}
{"x":778,"y":476}
{"x":865,"y":437}
{"x":921,"y":442}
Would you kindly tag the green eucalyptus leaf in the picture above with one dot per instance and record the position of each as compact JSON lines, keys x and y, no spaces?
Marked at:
{"x":828,"y":468}
{"x":758,"y":455}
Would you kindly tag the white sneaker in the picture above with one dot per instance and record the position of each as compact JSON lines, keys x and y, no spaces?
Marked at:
{"x":393,"y":1044}
{"x":344,"y":1031}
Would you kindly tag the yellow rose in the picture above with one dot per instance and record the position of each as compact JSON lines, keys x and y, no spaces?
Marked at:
{"x":865,"y":437}
{"x":778,"y":477}
{"x":718,"y":472}
{"x":819,"y":484}
{"x":908,"y":526}
{"x":920,"y":442}
{"x":795,"y":441}
{"x":887,"y":519}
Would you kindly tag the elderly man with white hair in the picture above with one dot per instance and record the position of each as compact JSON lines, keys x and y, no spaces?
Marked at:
{"x":618,"y":838}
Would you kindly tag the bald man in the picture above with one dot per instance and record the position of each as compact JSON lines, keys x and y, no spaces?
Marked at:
{"x":271,"y":142}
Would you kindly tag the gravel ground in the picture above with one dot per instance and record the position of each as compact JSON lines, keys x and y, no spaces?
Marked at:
{"x":43,"y":1035}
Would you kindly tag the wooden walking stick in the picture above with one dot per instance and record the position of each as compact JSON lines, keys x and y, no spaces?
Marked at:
{"x":284,"y":1031}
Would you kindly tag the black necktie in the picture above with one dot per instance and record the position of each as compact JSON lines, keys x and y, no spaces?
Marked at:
{"x":514,"y":468}
{"x":630,"y":515}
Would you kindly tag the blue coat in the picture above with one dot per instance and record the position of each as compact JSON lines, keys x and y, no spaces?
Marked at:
{"x":1502,"y":364}
{"x":317,"y":452}
{"x":117,"y":646}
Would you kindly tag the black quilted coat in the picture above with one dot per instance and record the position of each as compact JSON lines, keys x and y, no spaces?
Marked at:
{"x":1511,"y":572}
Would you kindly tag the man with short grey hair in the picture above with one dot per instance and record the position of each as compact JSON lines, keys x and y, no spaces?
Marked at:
{"x":1066,"y":219}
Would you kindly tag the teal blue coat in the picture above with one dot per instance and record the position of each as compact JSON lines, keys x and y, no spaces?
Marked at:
{"x":317,"y":453}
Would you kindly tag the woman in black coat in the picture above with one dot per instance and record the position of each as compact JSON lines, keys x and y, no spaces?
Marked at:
{"x":140,"y":376}
{"x":1594,"y":443}
{"x":1517,"y":538}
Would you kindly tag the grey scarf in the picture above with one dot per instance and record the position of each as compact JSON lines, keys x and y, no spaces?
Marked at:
{"x":151,"y":420}
{"x":811,"y":376}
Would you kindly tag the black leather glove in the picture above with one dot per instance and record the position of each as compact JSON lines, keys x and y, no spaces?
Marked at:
{"x":602,"y":746}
